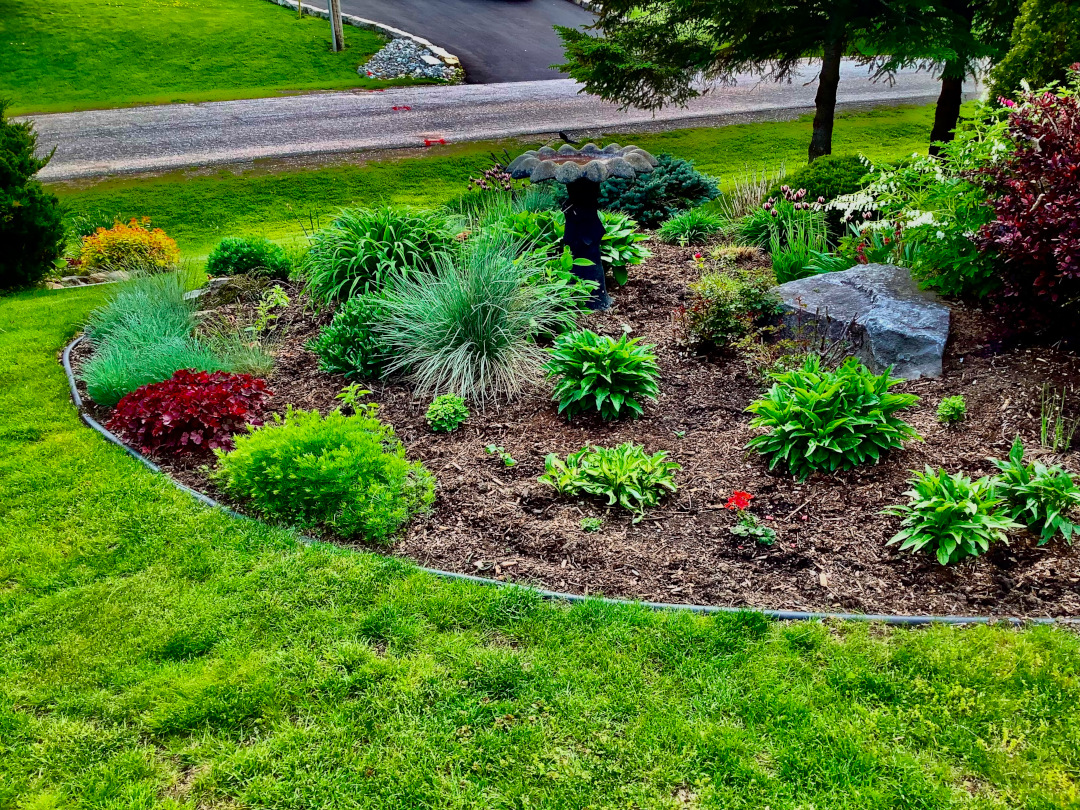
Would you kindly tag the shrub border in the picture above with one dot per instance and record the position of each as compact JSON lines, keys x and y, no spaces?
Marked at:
{"x":557,"y":596}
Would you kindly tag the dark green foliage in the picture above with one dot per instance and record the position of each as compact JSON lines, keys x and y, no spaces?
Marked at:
{"x":673,"y":186}
{"x":951,"y":515}
{"x":31,"y":225}
{"x":1045,"y":41}
{"x":829,"y":420}
{"x":446,"y":413}
{"x":626,"y":475}
{"x":828,"y":177}
{"x":254,"y":255}
{"x":345,"y":474}
{"x":597,"y":373}
{"x":1042,"y":498}
{"x":693,"y":227}
{"x":364,"y":248}
{"x":349,"y":344}
{"x":728,"y":305}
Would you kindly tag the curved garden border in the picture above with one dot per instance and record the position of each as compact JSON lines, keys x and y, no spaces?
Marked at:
{"x":780,"y":615}
{"x":441,"y":54}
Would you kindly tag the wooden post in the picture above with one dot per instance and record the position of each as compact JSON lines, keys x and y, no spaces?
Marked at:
{"x":337,"y":31}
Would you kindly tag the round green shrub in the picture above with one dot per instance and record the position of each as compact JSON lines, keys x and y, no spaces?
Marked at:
{"x":1045,"y":41}
{"x":827,"y":177}
{"x":446,"y":413}
{"x":31,"y":224}
{"x":248,"y":255}
{"x":728,"y":305}
{"x":350,"y":345}
{"x":345,"y":474}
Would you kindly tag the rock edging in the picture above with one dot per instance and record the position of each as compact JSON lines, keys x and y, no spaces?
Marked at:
{"x":448,"y":59}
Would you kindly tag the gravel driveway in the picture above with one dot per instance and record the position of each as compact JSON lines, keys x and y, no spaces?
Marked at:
{"x":496,"y":40}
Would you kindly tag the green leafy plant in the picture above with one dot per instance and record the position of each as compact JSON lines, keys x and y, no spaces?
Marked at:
{"x":626,"y":475}
{"x":1045,"y":41}
{"x":952,"y":410}
{"x":345,"y":474}
{"x":254,"y":255}
{"x":1042,"y":498}
{"x":592,"y":524}
{"x":951,"y":516}
{"x":693,"y":227}
{"x":620,"y":246}
{"x":266,"y":314}
{"x":826,"y":421}
{"x":31,"y":223}
{"x":363,"y":248}
{"x":446,"y":413}
{"x":728,"y":305}
{"x":350,"y":344}
{"x":1056,"y":430}
{"x":468,"y":328}
{"x":795,"y":245}
{"x":351,"y":397}
{"x":827,"y":178}
{"x":497,"y":450}
{"x":597,"y":373}
{"x":748,"y":525}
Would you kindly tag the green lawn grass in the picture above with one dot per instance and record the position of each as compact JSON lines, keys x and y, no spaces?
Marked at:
{"x":198,"y":209}
{"x":60,"y":55}
{"x":155,"y":653}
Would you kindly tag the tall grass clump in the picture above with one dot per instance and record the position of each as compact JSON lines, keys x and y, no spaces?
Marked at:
{"x":145,"y":334}
{"x":795,"y":245}
{"x":468,"y":328}
{"x":363,"y":248}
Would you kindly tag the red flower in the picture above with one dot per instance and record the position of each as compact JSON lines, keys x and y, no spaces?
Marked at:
{"x":739,"y":500}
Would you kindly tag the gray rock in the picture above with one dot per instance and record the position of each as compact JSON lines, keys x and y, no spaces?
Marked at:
{"x":880,"y":308}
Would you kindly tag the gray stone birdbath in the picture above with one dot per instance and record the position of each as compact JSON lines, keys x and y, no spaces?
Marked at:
{"x":582,"y":171}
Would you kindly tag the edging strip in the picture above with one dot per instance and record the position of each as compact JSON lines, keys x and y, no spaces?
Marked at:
{"x":779,"y":615}
{"x":441,"y":54}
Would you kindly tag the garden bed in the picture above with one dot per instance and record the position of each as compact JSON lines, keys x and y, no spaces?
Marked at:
{"x":831,"y":552}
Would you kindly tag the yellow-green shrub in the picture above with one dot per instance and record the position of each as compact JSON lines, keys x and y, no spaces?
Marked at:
{"x":129,"y":244}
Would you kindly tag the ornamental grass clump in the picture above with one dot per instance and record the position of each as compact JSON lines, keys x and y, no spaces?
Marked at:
{"x":951,"y":516}
{"x":343,"y":474}
{"x":825,"y":421}
{"x":693,"y":227}
{"x":596,"y":373}
{"x":363,"y":249}
{"x":192,"y":413}
{"x":468,"y":327}
{"x":1045,"y":499}
{"x":626,"y":475}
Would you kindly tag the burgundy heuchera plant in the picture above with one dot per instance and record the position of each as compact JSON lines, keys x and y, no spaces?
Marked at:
{"x":1035,"y":194}
{"x":192,"y":413}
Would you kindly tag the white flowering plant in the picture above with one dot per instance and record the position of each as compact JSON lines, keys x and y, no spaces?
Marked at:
{"x":925,"y":211}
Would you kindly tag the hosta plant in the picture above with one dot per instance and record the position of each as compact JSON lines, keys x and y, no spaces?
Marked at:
{"x":446,"y":413}
{"x":1042,"y":498}
{"x":345,"y":474}
{"x":621,"y":245}
{"x":951,"y":516}
{"x":597,"y":373}
{"x":825,"y":421}
{"x":192,"y":413}
{"x":626,"y":475}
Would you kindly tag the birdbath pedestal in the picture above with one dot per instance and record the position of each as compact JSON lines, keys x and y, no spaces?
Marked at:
{"x":582,"y":171}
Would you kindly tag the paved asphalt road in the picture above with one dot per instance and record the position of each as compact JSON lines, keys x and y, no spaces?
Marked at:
{"x":496,"y":40}
{"x":173,"y":136}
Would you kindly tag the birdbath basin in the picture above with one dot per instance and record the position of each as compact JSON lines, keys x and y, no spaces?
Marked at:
{"x":582,"y":171}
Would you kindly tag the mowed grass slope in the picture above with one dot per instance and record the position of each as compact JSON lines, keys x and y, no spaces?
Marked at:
{"x":61,"y":55}
{"x":197,"y":209}
{"x":154,"y":653}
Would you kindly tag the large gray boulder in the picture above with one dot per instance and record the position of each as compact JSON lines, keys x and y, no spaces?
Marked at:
{"x":880,"y":309}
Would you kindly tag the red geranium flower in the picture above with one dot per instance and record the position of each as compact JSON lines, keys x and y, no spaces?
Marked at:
{"x":739,"y":500}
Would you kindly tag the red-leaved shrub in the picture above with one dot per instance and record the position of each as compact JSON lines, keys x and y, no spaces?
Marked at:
{"x":193,"y":413}
{"x":1035,"y":194}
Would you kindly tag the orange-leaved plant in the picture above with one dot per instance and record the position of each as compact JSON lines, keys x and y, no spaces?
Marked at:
{"x":127,"y":245}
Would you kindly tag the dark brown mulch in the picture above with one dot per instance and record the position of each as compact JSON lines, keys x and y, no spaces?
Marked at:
{"x":831,"y":553}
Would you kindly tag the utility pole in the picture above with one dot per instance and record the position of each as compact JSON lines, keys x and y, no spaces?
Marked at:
{"x":337,"y":32}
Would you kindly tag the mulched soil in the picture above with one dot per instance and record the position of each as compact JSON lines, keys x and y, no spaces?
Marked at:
{"x":831,"y":553}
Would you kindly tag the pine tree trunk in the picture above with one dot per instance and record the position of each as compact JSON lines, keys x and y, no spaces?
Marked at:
{"x":947,"y":112}
{"x":825,"y":101}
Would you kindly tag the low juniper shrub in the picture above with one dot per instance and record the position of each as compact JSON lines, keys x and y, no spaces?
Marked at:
{"x":596,"y":373}
{"x":343,"y":474}
{"x":446,"y":413}
{"x":248,"y":255}
{"x":824,"y":421}
{"x":951,"y":516}
{"x":192,"y":413}
{"x":626,"y":476}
